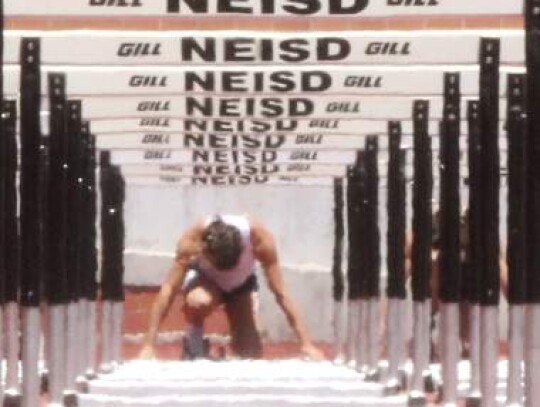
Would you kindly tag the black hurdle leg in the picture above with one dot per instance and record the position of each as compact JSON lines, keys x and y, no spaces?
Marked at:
{"x":421,"y":253}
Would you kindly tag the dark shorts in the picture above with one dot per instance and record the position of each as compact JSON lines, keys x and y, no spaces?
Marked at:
{"x":250,"y":285}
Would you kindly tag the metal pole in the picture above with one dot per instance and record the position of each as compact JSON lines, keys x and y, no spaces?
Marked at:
{"x":421,"y":352}
{"x":116,"y":331}
{"x":395,"y":345}
{"x":449,"y":342}
{"x":516,"y":346}
{"x":57,"y":356}
{"x":361,"y":342}
{"x":352,"y":333}
{"x":532,"y":356}
{"x":373,"y":340}
{"x":90,"y":370}
{"x":30,"y":356}
{"x":106,"y":345}
{"x":475,"y":394}
{"x":489,"y":354}
{"x":339,"y":323}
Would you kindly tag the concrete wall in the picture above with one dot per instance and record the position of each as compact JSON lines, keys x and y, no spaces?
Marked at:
{"x":301,"y":220}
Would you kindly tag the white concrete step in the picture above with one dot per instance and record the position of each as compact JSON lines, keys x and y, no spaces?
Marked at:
{"x":226,"y":400}
{"x":249,"y":383}
{"x":239,"y":370}
{"x":464,"y":370}
{"x":316,"y":388}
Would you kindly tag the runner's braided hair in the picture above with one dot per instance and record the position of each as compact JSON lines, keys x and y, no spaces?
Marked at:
{"x":223,"y":244}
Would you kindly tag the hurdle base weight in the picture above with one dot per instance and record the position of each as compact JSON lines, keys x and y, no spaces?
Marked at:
{"x":440,"y":399}
{"x":403,"y":378}
{"x":44,"y":381}
{"x":429,"y":383}
{"x":12,"y":399}
{"x":71,"y":400}
{"x":90,"y":375}
{"x":82,"y":384}
{"x":373,"y":376}
{"x":473,"y":401}
{"x":392,"y":387}
{"x":106,"y":368}
{"x":417,"y":400}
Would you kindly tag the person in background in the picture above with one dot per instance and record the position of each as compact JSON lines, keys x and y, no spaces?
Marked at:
{"x":466,"y":270}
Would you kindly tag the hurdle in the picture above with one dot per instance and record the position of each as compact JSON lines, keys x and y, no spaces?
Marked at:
{"x":421,"y":253}
{"x":516,"y":252}
{"x":449,"y":264}
{"x":112,"y":187}
{"x":395,"y":289}
{"x":10,"y":310}
{"x":56,"y":275}
{"x":372,"y":256}
{"x":338,"y":288}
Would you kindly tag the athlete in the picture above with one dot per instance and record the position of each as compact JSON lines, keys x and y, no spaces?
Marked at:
{"x":214,"y":265}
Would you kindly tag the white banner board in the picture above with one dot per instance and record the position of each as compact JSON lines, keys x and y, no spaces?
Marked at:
{"x":263,"y":141}
{"x":224,"y":141}
{"x":173,"y":81}
{"x":428,"y":47}
{"x":306,"y":126}
{"x":229,"y":177}
{"x":234,"y":158}
{"x":323,"y":107}
{"x":290,"y":170}
{"x":260,"y":8}
{"x":228,"y":157}
{"x":230,"y":180}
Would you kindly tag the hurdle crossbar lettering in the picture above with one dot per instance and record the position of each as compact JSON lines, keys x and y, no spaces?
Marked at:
{"x":256,"y":48}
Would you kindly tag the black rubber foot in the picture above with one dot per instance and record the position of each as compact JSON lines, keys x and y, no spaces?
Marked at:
{"x":403,"y":379}
{"x":429,"y":384}
{"x":71,"y":400}
{"x":44,"y":382}
{"x":82,"y":386}
{"x":391,"y":389}
{"x":417,"y":401}
{"x":106,"y":368}
{"x":12,"y":400}
{"x":473,"y":401}
{"x":373,"y":376}
{"x":91,"y":376}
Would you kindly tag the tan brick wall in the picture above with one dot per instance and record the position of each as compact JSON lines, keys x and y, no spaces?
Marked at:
{"x":265,"y":24}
